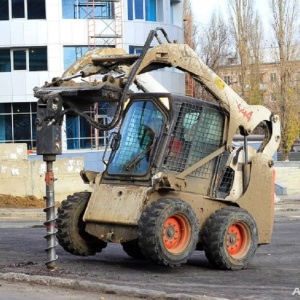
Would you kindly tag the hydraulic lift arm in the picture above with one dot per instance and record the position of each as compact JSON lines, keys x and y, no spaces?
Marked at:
{"x":134,"y":68}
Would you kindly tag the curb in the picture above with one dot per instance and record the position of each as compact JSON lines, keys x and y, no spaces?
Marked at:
{"x":88,"y":286}
{"x":22,"y":213}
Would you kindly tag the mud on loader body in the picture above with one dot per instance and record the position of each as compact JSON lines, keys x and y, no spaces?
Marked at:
{"x":174,"y":182}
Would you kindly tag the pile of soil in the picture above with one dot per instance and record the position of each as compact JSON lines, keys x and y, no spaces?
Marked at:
{"x":9,"y":201}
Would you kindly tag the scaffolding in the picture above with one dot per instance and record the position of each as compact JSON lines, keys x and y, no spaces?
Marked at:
{"x":119,"y":24}
{"x":104,"y":21}
{"x":104,"y":29}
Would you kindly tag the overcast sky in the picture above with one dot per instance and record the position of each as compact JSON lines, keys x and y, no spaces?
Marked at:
{"x":202,"y":9}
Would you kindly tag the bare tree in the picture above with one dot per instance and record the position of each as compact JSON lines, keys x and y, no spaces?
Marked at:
{"x":214,"y":41}
{"x":244,"y":24}
{"x":285,"y":24}
{"x":189,"y":38}
{"x":213,"y":46}
{"x":254,"y":94}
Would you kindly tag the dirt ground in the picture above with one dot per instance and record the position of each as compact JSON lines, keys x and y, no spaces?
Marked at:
{"x":9,"y":201}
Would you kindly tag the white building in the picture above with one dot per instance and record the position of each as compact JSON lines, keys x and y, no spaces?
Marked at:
{"x":39,"y":39}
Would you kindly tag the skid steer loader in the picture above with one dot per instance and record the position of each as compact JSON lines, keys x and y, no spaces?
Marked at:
{"x":175,"y":181}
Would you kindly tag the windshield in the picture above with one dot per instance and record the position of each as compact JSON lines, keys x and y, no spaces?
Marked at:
{"x":140,"y":129}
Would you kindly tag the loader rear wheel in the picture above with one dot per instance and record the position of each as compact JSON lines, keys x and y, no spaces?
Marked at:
{"x":133,"y":249}
{"x":71,"y":233}
{"x":168,"y":232}
{"x":230,"y":238}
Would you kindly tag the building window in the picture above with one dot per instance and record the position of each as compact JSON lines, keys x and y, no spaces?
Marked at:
{"x":36,"y":9}
{"x":5,"y":62}
{"x":227,"y":80}
{"x":142,"y":10}
{"x":175,"y":12}
{"x":139,"y":9}
{"x":130,"y":9}
{"x":31,"y":59}
{"x":82,"y":9}
{"x":71,"y":54}
{"x":19,"y":60}
{"x":273,"y":77}
{"x":151,"y":10}
{"x":38,"y":59}
{"x":135,"y":50}
{"x":17,"y":123}
{"x":17,"y":9}
{"x":4,"y":13}
{"x":172,"y":13}
{"x":22,"y":9}
{"x":80,"y":135}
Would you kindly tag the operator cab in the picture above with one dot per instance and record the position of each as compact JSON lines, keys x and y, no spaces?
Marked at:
{"x":166,"y":133}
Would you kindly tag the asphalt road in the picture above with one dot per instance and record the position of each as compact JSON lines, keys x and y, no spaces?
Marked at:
{"x":273,"y":274}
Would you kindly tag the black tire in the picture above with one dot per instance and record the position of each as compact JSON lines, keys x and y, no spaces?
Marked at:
{"x":171,"y":243}
{"x":230,"y":238}
{"x":71,"y":233}
{"x":133,"y":249}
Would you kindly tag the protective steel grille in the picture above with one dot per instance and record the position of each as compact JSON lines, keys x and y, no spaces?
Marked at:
{"x":226,"y":181}
{"x":197,"y":133}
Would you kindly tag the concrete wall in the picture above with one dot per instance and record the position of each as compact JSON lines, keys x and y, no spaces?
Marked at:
{"x":92,"y":158}
{"x":20,"y":176}
{"x":288,"y":176}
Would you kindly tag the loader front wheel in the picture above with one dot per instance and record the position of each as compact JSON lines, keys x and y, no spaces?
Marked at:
{"x":230,"y":238}
{"x":71,"y":233}
{"x":168,"y":232}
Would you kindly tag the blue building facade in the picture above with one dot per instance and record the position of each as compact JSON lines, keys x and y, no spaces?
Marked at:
{"x":41,"y":38}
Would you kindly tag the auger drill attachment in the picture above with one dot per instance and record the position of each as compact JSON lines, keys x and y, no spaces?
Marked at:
{"x":49,"y":145}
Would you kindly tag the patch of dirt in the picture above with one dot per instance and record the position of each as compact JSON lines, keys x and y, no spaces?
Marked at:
{"x":9,"y":201}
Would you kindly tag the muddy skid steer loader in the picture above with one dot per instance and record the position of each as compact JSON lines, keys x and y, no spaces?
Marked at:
{"x":175,"y":181}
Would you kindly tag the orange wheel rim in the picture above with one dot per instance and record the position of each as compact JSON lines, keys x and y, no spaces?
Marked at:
{"x":176,"y":233}
{"x":238,"y":240}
